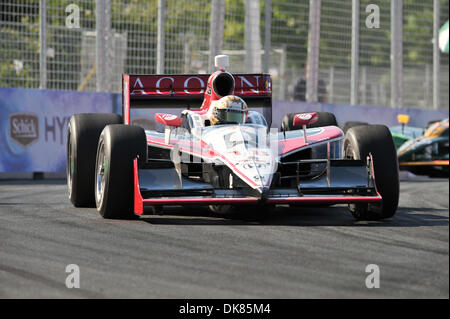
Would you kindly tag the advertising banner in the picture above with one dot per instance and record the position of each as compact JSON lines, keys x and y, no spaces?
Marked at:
{"x":33,"y":123}
{"x":33,"y":126}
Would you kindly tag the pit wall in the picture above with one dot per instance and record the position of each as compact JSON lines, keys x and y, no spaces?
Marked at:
{"x":33,"y":124}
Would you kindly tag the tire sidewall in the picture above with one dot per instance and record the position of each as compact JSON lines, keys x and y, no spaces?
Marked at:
{"x":376,"y":140}
{"x":71,"y":159}
{"x":121,"y":144}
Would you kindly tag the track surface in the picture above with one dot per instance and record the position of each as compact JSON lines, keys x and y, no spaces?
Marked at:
{"x":313,"y":253}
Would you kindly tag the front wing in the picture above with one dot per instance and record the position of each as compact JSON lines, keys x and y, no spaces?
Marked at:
{"x":342,"y":182}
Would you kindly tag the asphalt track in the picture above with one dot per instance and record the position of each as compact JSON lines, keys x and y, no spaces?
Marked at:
{"x":311,"y":253}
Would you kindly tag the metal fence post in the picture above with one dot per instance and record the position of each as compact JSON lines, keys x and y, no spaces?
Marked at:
{"x":363,"y":85}
{"x":42,"y":44}
{"x":331,"y":85}
{"x":216,"y":31}
{"x":252,"y":40}
{"x":396,"y":53}
{"x":186,"y":54}
{"x":161,"y":37}
{"x":109,"y":49}
{"x":436,"y":55}
{"x":283,"y":85}
{"x":100,"y":44}
{"x":428,"y":88}
{"x":267,"y":34}
{"x":355,"y":54}
{"x":313,"y":51}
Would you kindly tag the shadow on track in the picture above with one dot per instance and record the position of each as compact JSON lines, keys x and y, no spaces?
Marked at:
{"x":308,"y":216}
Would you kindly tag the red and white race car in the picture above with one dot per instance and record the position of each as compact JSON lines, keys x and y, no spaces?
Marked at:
{"x":121,"y":168}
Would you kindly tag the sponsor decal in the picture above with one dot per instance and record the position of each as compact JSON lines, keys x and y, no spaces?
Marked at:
{"x":168,"y":117}
{"x":245,"y":82}
{"x":55,"y":129}
{"x":304,"y":116}
{"x":24,"y":128}
{"x":256,"y":165}
{"x":138,"y":82}
{"x":194,"y":84}
{"x":202,"y":85}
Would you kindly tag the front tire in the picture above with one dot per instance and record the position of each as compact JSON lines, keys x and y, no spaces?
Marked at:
{"x":377,"y":140}
{"x":118,"y":146}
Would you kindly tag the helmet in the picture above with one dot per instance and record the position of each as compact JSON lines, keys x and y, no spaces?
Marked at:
{"x":230,"y":109}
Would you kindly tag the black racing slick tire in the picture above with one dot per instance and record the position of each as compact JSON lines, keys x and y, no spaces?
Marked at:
{"x":377,"y":140}
{"x":82,"y":138}
{"x":348,"y":125}
{"x":325,"y":119}
{"x":117,"y":147}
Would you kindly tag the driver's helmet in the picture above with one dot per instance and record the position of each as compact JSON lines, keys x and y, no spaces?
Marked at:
{"x":230,"y":109}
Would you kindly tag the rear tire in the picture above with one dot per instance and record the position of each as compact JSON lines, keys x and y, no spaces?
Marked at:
{"x":114,"y":175}
{"x":377,"y":140}
{"x":348,"y":125}
{"x":82,"y":138}
{"x":325,"y":119}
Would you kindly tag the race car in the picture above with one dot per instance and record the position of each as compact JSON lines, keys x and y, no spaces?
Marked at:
{"x":403,"y":133}
{"x":235,"y":164}
{"x":400,"y":133}
{"x":427,"y":154}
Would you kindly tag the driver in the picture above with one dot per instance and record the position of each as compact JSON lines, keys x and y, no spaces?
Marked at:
{"x":230,"y":109}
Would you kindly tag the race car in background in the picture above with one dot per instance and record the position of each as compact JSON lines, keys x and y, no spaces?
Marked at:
{"x":427,"y":154}
{"x":403,"y":133}
{"x":400,"y":133}
{"x":239,"y":166}
{"x":421,"y":151}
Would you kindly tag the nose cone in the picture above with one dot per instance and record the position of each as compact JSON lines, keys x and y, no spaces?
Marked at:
{"x":263,"y":191}
{"x":246,"y":153}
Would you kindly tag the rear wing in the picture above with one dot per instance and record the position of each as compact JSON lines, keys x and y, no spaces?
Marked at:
{"x":187,"y":91}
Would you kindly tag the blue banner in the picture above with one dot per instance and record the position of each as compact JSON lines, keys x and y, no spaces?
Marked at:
{"x":33,"y":123}
{"x":33,"y":126}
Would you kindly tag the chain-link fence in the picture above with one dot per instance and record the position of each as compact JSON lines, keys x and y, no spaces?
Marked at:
{"x":85,"y":45}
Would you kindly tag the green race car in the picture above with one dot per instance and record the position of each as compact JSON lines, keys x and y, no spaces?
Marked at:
{"x":427,"y":154}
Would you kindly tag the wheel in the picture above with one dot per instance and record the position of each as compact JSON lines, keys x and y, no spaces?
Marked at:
{"x":348,"y":125}
{"x":377,"y":140}
{"x":82,"y":138}
{"x":325,"y":119}
{"x":114,"y":176}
